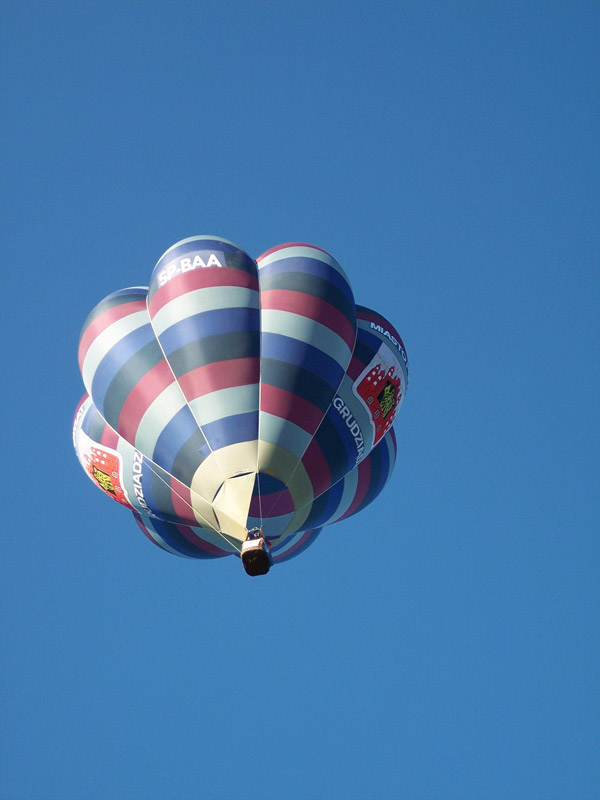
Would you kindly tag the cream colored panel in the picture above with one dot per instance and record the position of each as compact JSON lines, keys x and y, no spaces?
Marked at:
{"x":285,"y":466}
{"x":232,"y":504}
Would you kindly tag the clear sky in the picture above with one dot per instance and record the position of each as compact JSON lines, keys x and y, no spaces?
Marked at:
{"x":443,"y":644}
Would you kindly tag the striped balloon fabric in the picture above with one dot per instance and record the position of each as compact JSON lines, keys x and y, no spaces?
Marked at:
{"x":235,"y":394}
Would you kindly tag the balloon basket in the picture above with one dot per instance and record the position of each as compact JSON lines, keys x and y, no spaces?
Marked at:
{"x":256,"y":556}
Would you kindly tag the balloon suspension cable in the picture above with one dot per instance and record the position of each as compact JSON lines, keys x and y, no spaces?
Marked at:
{"x":259,"y":499}
{"x":225,"y":538}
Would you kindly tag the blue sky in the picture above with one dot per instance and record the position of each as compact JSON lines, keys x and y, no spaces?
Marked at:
{"x":443,"y":644}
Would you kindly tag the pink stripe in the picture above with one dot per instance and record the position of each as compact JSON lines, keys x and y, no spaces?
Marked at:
{"x":315,"y":464}
{"x":291,"y":244}
{"x":364,"y":479}
{"x":273,"y":505}
{"x":287,"y":405}
{"x":296,"y":546}
{"x":103,"y":321}
{"x":182,"y":501}
{"x":355,"y":368}
{"x":109,"y":437}
{"x":312,"y":307}
{"x":200,"y":544}
{"x":147,"y":533}
{"x":220,"y":375}
{"x":254,"y":507}
{"x":140,"y":398}
{"x":201,"y":279}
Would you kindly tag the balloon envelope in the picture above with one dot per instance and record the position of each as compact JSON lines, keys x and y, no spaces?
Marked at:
{"x":233,"y":393}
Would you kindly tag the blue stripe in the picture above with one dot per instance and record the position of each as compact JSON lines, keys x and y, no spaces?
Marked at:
{"x":384,"y":462}
{"x":379,"y":476}
{"x":93,"y":424}
{"x":369,"y":339}
{"x":132,"y":292}
{"x":209,"y":323}
{"x":171,"y":536}
{"x":173,"y":438}
{"x":268,"y":485}
{"x":386,"y":465}
{"x":343,"y":458}
{"x":310,"y":266}
{"x":325,"y":506}
{"x":294,"y":351}
{"x":375,"y":479}
{"x":308,"y":541}
{"x":112,"y":362}
{"x":231,"y":430}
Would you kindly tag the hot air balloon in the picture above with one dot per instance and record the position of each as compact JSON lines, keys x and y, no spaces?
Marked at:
{"x":238,"y":406}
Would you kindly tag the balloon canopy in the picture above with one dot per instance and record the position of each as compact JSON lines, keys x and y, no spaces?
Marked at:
{"x":235,"y":394}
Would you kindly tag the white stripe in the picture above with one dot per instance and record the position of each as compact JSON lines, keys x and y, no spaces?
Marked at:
{"x":289,"y":542}
{"x":306,"y":330}
{"x":348,"y":495}
{"x":107,"y":340}
{"x":157,"y":416}
{"x":283,"y":433}
{"x":225,"y":403}
{"x":302,"y":252}
{"x":199,"y":300}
